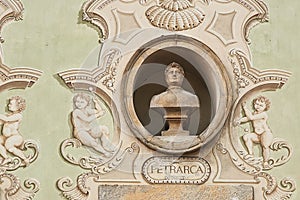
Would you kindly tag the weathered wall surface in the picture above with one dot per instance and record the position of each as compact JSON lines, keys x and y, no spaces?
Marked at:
{"x":52,"y":38}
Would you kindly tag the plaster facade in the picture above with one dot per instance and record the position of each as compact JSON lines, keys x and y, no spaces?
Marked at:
{"x":58,"y":40}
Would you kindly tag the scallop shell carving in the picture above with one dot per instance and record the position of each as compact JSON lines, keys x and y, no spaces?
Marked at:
{"x":175,"y":15}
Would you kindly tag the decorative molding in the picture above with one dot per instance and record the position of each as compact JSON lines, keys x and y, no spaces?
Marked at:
{"x":105,"y":74}
{"x":16,"y":162}
{"x":276,"y":146}
{"x":175,"y":15}
{"x":75,"y":192}
{"x":11,"y":11}
{"x":20,"y":77}
{"x":125,"y":32}
{"x":15,"y":191}
{"x":96,"y":164}
{"x":261,"y":17}
{"x":246,"y":4}
{"x":222,"y":27}
{"x":239,"y":163}
{"x":246,"y":74}
{"x":12,"y":153}
{"x":90,"y":15}
{"x":274,"y":191}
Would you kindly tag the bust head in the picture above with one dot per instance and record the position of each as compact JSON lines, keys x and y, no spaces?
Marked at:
{"x":174,"y":74}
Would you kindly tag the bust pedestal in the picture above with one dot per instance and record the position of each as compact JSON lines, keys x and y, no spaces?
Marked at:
{"x":175,"y":117}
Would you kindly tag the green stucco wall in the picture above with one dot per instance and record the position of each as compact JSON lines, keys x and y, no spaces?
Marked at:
{"x":51,"y":38}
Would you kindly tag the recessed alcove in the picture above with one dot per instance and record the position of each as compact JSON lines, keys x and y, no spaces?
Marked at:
{"x":150,"y":80}
{"x":205,"y":77}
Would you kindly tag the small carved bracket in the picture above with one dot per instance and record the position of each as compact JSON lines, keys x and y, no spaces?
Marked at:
{"x":11,"y":10}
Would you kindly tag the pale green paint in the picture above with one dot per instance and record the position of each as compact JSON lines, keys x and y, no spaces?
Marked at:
{"x":275,"y":45}
{"x":51,"y":39}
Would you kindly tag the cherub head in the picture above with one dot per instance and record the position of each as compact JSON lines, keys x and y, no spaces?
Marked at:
{"x":261,"y":103}
{"x":81,"y":100}
{"x":174,"y":74}
{"x":16,"y":104}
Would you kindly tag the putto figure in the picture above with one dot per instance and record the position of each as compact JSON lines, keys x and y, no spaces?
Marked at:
{"x":176,"y":103}
{"x":261,"y":132}
{"x":86,"y":129}
{"x":11,"y":140}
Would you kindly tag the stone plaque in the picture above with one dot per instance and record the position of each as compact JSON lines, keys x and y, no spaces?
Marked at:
{"x":182,"y":192}
{"x":176,"y":170}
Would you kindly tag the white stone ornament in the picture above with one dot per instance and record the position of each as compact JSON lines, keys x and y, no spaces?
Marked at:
{"x":175,"y":15}
{"x":15,"y":151}
{"x":166,"y":140}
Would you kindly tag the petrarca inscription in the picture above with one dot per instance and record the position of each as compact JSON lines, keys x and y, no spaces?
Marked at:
{"x":176,"y":170}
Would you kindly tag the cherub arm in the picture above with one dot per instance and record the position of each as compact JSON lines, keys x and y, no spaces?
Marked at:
{"x":98,"y":108}
{"x":10,"y":118}
{"x":251,"y":116}
{"x":243,"y":119}
{"x":84,"y":117}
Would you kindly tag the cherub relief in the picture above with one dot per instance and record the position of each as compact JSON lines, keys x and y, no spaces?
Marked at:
{"x":11,"y":140}
{"x":84,"y":117}
{"x":261,"y":132}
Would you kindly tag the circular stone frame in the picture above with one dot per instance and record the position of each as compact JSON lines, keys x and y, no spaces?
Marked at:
{"x":215,"y":77}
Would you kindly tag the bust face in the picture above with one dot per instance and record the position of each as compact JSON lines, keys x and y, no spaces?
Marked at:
{"x":174,"y":77}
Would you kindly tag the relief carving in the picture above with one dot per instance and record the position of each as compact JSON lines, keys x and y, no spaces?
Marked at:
{"x":99,"y":153}
{"x":14,"y":154}
{"x":175,"y":15}
{"x":261,"y":134}
{"x":13,"y":189}
{"x":156,"y":143}
{"x":222,"y":27}
{"x":111,"y":60}
{"x":85,"y":127}
{"x":258,"y":133}
{"x":76,"y":192}
{"x":15,"y":151}
{"x":274,"y":191}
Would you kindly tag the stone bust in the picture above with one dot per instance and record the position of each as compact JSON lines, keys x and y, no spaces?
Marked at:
{"x":175,"y":103}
